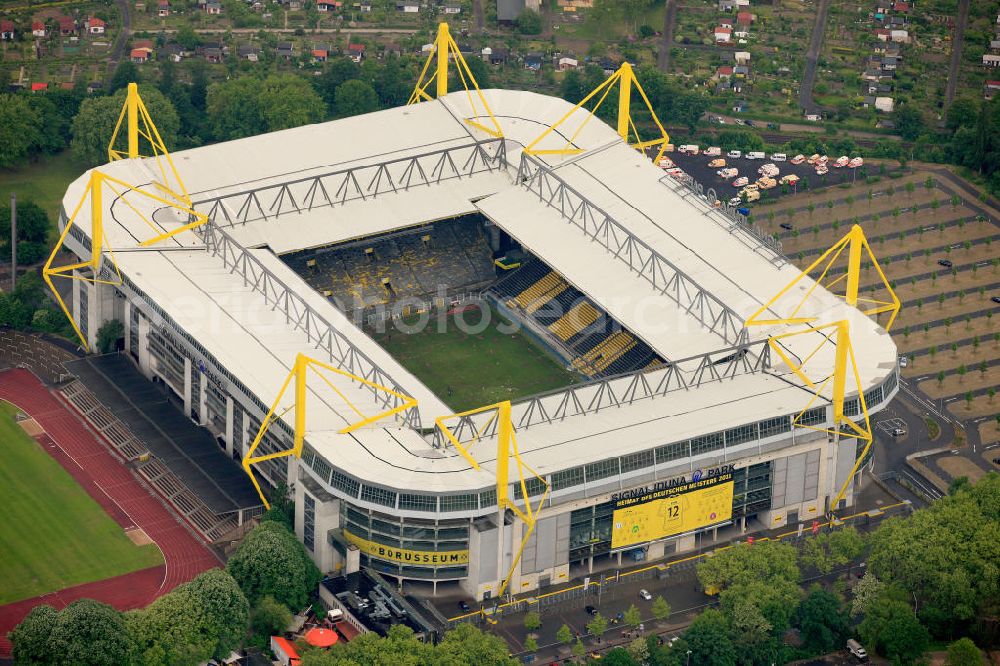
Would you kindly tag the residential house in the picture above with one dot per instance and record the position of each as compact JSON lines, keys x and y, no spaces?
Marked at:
{"x":723,"y":72}
{"x":320,"y":54}
{"x":723,"y":35}
{"x":740,"y":107}
{"x":740,"y":4}
{"x":286,"y":50}
{"x":742,"y":57}
{"x":37,"y":29}
{"x":248,"y":52}
{"x":499,"y":55}
{"x":94,"y":87}
{"x":509,"y":10}
{"x":392,"y":49}
{"x":408,"y":7}
{"x":872,"y":75}
{"x":726,"y":23}
{"x":883,"y":34}
{"x":6,"y":29}
{"x":533,"y":61}
{"x":899,"y":36}
{"x":213,"y":7}
{"x":95,"y":26}
{"x":163,"y":8}
{"x":889,"y":62}
{"x":329,"y":6}
{"x":567,"y":62}
{"x":897,"y":22}
{"x":365,"y":6}
{"x":727,"y":5}
{"x":901,"y":7}
{"x":140,"y":56}
{"x":883,"y":88}
{"x":991,"y":60}
{"x":451,"y":8}
{"x":140,"y":6}
{"x":67,"y":26}
{"x":744,"y":18}
{"x":486,"y":53}
{"x":213,"y":54}
{"x":741,"y":71}
{"x":990,"y":89}
{"x":884,"y":104}
{"x":175,"y":51}
{"x":356,"y":52}
{"x":39,"y":87}
{"x":609,"y":66}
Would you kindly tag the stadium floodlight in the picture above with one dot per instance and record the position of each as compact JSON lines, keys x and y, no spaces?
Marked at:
{"x":506,"y":448}
{"x":626,"y":80}
{"x":300,"y":373}
{"x":139,"y":124}
{"x":445,"y":48}
{"x":855,"y":243}
{"x":99,"y":246}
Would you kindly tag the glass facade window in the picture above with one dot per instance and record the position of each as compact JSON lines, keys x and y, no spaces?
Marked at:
{"x":602,"y":469}
{"x":418,"y":502}
{"x":672,"y":452}
{"x":459,"y":503}
{"x":567,"y":478}
{"x":377,"y":495}
{"x":816,"y":415}
{"x":641,"y":460}
{"x":488,"y":498}
{"x":744,"y":433}
{"x":706,"y":443}
{"x":309,"y":523}
{"x":775,"y":426}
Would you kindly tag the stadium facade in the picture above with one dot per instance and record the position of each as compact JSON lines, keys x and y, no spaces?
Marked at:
{"x":694,"y":446}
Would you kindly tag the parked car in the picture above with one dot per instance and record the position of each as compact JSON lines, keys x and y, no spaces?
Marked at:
{"x":823,"y":159}
{"x":842,"y":161}
{"x":789,"y":179}
{"x":898,"y":432}
{"x":741,"y":181}
{"x":646,"y":595}
{"x":755,"y":155}
{"x":814,"y":158}
{"x":822,"y":170}
{"x":856,"y":162}
{"x":727,"y":173}
{"x":688,"y":148}
{"x":749,"y":123}
{"x":945,"y":262}
{"x":766,"y":183}
{"x":995,"y":299}
{"x":779,"y":157}
{"x":665,"y":163}
{"x":749,"y":196}
{"x":903,"y":361}
{"x":591,"y":610}
{"x":713,"y":151}
{"x":720,"y":162}
{"x":464,"y":605}
{"x":734,"y":154}
{"x":786,"y":226}
{"x":856,"y":650}
{"x":798,"y":159}
{"x":735,"y":201}
{"x":744,"y":211}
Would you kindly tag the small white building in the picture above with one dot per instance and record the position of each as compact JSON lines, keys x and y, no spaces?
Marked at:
{"x":884,"y":104}
{"x":991,"y":60}
{"x":723,"y":34}
{"x":567,"y":62}
{"x":742,"y":57}
{"x":899,"y":36}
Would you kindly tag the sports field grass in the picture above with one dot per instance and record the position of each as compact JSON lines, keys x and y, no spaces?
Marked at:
{"x":471,"y":370}
{"x":52,"y":534}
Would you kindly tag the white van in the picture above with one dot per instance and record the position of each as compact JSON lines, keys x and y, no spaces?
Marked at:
{"x":755,"y":155}
{"x":855,"y":649}
{"x":779,"y":157}
{"x":688,"y":148}
{"x":734,"y":154}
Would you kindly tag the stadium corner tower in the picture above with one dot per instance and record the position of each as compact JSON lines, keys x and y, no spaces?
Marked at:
{"x":685,"y":429}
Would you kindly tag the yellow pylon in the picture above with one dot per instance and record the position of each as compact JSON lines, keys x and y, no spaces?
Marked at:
{"x":625,"y":77}
{"x":299,"y":373}
{"x":444,"y":49}
{"x":99,"y":245}
{"x":139,"y":125}
{"x":506,"y":448}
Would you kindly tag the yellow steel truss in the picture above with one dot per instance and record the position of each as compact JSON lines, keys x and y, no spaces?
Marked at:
{"x":139,"y":124}
{"x":856,"y":244}
{"x":98,"y":240}
{"x":625,"y":77}
{"x":506,"y":448}
{"x":299,"y":374}
{"x":444,"y":49}
{"x":844,"y":360}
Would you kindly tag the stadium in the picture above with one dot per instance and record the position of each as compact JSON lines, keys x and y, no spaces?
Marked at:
{"x":308,"y":302}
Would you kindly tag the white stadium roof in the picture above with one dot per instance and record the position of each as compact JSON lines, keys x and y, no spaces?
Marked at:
{"x":255,"y":341}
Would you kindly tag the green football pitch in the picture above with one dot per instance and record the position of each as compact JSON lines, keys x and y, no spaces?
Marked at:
{"x":468,"y":370}
{"x":52,"y":534}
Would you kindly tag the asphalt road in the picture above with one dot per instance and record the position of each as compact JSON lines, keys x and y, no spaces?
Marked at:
{"x":956,"y":52}
{"x":121,"y":42}
{"x":667,"y":41}
{"x":812,"y":55}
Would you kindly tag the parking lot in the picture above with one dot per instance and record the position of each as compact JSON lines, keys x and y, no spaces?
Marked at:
{"x":891,"y":426}
{"x":697,"y":167}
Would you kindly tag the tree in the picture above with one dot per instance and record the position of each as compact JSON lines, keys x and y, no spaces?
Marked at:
{"x":168,"y":631}
{"x":529,"y":22}
{"x":830,"y":550}
{"x":530,"y":644}
{"x":233,"y":109}
{"x":661,"y":609}
{"x":708,"y":639}
{"x":125,"y":73}
{"x":269,"y":618}
{"x":532,"y":621}
{"x":287,"y":100}
{"x":891,"y":628}
{"x":762,"y":562}
{"x":400,"y":647}
{"x":564,"y":635}
{"x":619,"y":657}
{"x":822,"y":621}
{"x":89,"y":632}
{"x":32,"y":230}
{"x":578,"y":649}
{"x":354,"y":98}
{"x":964,"y":652}
{"x":225,"y":609}
{"x":30,"y":639}
{"x":598,"y":625}
{"x":271,"y":561}
{"x":20,"y":130}
{"x":95,"y":123}
{"x":632,"y":617}
{"x":108,"y":335}
{"x":909,"y":122}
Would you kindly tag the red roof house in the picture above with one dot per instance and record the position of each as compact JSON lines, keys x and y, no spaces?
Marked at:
{"x":37,"y":28}
{"x":724,"y":72}
{"x":67,"y":26}
{"x":95,"y":26}
{"x":744,"y":18}
{"x":6,"y":29}
{"x":39,"y":87}
{"x":901,"y":7}
{"x":320,"y":55}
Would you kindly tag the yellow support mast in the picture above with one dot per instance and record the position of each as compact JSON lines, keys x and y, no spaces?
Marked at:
{"x":139,"y":125}
{"x":506,"y":449}
{"x":627,"y":81}
{"x":300,"y":369}
{"x":443,"y":51}
{"x":845,"y":364}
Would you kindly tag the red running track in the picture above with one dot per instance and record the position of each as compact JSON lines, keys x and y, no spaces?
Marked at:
{"x":120,"y":494}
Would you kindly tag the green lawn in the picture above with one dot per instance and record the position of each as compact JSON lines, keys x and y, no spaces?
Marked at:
{"x":468,"y":371}
{"x":52,"y":534}
{"x":43,"y":182}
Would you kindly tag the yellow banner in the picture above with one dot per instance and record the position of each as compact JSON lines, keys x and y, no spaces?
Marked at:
{"x":671,"y":511}
{"x":404,"y":556}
